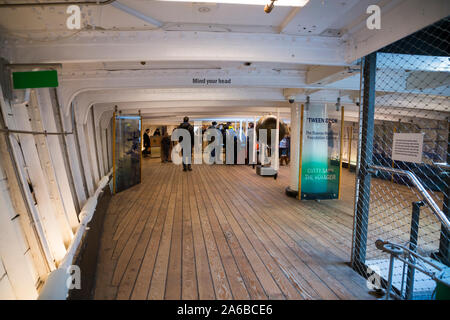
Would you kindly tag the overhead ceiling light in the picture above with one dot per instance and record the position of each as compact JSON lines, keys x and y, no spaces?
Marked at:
{"x":284,"y":3}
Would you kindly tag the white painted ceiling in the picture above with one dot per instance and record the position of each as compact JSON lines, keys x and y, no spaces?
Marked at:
{"x":313,"y":19}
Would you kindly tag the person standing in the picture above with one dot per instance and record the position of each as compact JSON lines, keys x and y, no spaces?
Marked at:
{"x":283,"y":155}
{"x":213,"y":152}
{"x":249,"y":138}
{"x":146,"y":143}
{"x":186,"y":160}
{"x":165,"y":145}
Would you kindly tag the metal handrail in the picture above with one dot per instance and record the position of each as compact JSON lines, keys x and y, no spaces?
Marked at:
{"x":426,"y":196}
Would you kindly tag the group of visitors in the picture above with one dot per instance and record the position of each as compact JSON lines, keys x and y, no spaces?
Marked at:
{"x":225,"y":129}
{"x":165,"y":144}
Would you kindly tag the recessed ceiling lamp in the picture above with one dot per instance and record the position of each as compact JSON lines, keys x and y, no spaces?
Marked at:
{"x":204,"y":9}
{"x":283,"y":3}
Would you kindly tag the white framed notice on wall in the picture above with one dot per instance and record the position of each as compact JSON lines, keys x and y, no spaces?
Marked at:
{"x":407,"y":147}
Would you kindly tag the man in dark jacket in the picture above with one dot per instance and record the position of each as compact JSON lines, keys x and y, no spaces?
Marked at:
{"x":165,"y":146}
{"x":187,"y":126}
{"x":213,"y":152}
{"x":146,"y":143}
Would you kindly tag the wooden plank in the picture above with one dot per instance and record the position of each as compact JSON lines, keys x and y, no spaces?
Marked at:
{"x":106,"y":265}
{"x":157,"y":212}
{"x":189,"y":289}
{"x":136,"y":216}
{"x":129,"y":239}
{"x":218,"y":274}
{"x":160,"y":270}
{"x":308,"y":235}
{"x":298,"y":272}
{"x":236,"y":281}
{"x":150,"y":251}
{"x":204,"y":279}
{"x":272,"y":259}
{"x":239,"y":238}
{"x":127,"y":203}
{"x":258,"y":278}
{"x":173,"y":282}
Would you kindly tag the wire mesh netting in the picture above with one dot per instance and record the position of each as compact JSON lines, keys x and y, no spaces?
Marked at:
{"x":412,"y":85}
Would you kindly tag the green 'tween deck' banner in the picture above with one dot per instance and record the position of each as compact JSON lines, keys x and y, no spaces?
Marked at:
{"x":35,"y":79}
{"x":320,"y":154}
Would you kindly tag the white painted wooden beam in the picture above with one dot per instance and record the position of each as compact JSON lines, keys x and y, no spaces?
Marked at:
{"x":44,"y":204}
{"x":322,"y":75}
{"x":91,"y":46}
{"x":398,"y":20}
{"x":316,"y":16}
{"x":75,"y":83}
{"x":56,"y":156}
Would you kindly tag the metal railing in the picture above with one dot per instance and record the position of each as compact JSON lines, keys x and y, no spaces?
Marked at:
{"x":421,"y":189}
{"x":411,"y":259}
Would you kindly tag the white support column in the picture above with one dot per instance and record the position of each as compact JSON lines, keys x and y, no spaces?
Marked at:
{"x":98,"y":137}
{"x":73,"y":158}
{"x":84,"y":156}
{"x":254,"y":160}
{"x":295,"y":146}
{"x":197,"y":147}
{"x":56,"y":156}
{"x":110,"y":143}
{"x":104,"y":141}
{"x":275,"y":155}
{"x":46,"y":164}
{"x":92,"y":152}
{"x":97,"y":124}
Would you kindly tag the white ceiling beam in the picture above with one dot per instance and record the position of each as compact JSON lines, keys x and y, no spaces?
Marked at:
{"x":86,"y":99}
{"x":397,"y":22}
{"x":136,"y":13}
{"x":291,"y":15}
{"x":316,"y":16}
{"x":91,"y":46}
{"x":322,"y":75}
{"x":75,"y":83}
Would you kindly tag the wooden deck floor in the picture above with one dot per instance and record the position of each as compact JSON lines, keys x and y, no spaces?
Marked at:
{"x":222,"y":232}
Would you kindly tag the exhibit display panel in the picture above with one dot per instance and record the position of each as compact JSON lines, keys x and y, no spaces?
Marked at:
{"x":127,"y":151}
{"x":321,"y":152}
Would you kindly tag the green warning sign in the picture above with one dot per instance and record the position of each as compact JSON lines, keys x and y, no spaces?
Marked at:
{"x":35,"y":79}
